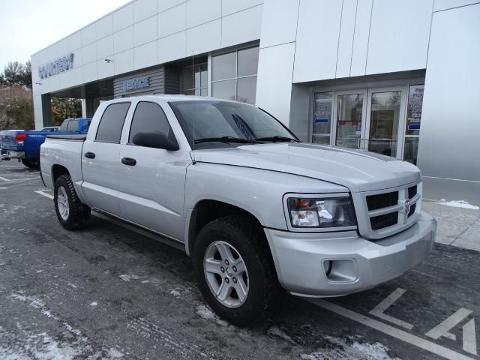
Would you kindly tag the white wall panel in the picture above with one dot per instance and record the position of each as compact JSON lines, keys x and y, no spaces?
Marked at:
{"x":123,"y":40}
{"x":104,"y":26}
{"x":360,"y":38}
{"x":345,"y":42}
{"x":204,"y":38}
{"x":145,"y":55}
{"x":105,"y":69}
{"x":448,"y":4}
{"x":234,"y":30}
{"x":449,"y":145}
{"x":274,"y":82}
{"x":145,"y":9}
{"x":172,"y":21}
{"x":123,"y":17}
{"x":89,"y":53}
{"x":167,"y":4}
{"x":201,"y":11}
{"x":279,"y":22}
{"x":74,"y":41}
{"x":145,"y":31}
{"x":104,"y":48}
{"x":172,"y":47}
{"x":88,"y":35}
{"x":37,"y":112}
{"x":123,"y":62}
{"x":317,"y":40}
{"x":399,"y":35}
{"x":231,"y":6}
{"x":89,"y":72}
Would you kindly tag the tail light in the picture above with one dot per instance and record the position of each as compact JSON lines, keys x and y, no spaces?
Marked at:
{"x":20,"y":138}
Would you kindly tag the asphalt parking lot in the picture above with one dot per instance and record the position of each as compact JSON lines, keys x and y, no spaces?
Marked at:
{"x":109,"y":292}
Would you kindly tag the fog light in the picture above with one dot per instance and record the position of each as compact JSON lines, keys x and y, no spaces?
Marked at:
{"x":327,"y":266}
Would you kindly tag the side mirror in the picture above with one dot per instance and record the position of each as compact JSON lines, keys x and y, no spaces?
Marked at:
{"x":156,"y":140}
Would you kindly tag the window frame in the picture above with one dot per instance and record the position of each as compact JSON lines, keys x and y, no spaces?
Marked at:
{"x":171,"y":132}
{"x":123,"y":124}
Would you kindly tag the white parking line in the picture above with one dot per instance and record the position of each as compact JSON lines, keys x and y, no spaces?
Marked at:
{"x":392,"y":331}
{"x":43,"y":193}
{"x":4,"y":179}
{"x":379,"y":310}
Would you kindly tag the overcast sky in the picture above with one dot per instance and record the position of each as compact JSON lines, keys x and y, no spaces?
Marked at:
{"x":27,"y":26}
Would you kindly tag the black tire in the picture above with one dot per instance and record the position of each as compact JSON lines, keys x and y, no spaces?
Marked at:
{"x":31,"y":164}
{"x":79,"y":214}
{"x":249,"y":241}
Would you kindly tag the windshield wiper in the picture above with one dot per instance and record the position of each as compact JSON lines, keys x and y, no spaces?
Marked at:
{"x":276,"y":139}
{"x":226,"y":139}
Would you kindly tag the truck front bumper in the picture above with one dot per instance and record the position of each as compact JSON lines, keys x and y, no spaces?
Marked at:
{"x":341,"y":263}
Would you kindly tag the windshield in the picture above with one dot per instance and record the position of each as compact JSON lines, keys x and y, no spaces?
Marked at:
{"x":207,"y":122}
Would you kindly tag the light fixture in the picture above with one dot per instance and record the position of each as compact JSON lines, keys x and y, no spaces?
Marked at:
{"x":108,"y":61}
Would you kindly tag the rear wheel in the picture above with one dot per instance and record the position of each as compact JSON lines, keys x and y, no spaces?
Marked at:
{"x":71,"y":213}
{"x":235,"y":271}
{"x":31,"y":164}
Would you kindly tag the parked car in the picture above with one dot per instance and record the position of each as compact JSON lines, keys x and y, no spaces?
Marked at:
{"x":256,"y":209}
{"x":25,"y":145}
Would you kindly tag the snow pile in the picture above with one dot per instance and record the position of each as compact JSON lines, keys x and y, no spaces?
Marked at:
{"x":352,"y":349}
{"x":126,"y":277}
{"x":275,"y":331}
{"x":462,"y":204}
{"x":206,"y":313}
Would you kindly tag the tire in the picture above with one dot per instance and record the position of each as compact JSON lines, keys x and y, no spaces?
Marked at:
{"x":77,"y":215}
{"x":31,"y":164}
{"x":248,"y":241}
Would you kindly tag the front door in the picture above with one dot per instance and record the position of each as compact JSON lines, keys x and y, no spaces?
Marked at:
{"x":350,"y":119}
{"x":151,"y":181}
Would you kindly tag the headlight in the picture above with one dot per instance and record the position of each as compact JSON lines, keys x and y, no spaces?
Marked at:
{"x":321,"y":213}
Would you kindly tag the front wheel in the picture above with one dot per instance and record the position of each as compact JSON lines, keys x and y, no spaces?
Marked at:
{"x":235,"y":271}
{"x":71,"y":213}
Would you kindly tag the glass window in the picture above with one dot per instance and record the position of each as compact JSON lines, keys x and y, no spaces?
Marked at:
{"x":384,"y":119}
{"x":248,"y":61}
{"x":224,"y":89}
{"x":234,"y":75}
{"x":414,"y":119}
{"x":111,"y":124}
{"x":150,"y":118}
{"x":193,"y":79}
{"x":322,"y":118}
{"x":247,"y":89}
{"x":216,"y":119}
{"x":73,"y":125}
{"x":224,"y":66}
{"x":349,"y":120}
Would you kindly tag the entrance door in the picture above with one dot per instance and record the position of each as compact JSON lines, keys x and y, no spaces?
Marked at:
{"x":385,"y":113}
{"x":350,"y":114}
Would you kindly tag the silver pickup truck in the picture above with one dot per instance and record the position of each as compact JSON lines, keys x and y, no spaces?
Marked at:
{"x":256,"y":209}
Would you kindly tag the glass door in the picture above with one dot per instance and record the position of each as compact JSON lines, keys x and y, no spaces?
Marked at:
{"x":384,"y":115}
{"x":350,"y":123}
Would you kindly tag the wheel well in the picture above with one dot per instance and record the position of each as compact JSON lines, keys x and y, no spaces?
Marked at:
{"x":208,"y":210}
{"x":58,"y":170}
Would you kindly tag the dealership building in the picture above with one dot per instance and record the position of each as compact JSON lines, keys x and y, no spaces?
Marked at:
{"x":397,"y":77}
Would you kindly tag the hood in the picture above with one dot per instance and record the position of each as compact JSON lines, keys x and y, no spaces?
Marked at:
{"x":355,"y":169}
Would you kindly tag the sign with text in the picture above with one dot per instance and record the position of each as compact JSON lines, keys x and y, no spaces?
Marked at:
{"x":136,"y":83}
{"x":56,"y":67}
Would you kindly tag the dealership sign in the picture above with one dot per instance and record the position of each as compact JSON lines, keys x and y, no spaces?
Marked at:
{"x":56,"y":67}
{"x":136,"y":83}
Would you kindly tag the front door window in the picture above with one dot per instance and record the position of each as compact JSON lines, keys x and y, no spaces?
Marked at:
{"x":349,"y":120}
{"x":384,"y":119}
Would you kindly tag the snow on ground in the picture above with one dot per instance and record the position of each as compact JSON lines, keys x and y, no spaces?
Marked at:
{"x":347,"y":349}
{"x":275,"y":331}
{"x":206,"y":313}
{"x":458,"y":204}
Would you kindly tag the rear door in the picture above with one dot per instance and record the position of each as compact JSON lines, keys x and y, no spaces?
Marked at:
{"x":151,"y":181}
{"x":101,"y":165}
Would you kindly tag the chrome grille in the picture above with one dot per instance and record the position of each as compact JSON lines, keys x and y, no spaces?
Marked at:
{"x":389,"y":211}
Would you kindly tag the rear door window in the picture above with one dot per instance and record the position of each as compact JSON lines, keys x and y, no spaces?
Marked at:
{"x":149,"y":118}
{"x":111,"y":124}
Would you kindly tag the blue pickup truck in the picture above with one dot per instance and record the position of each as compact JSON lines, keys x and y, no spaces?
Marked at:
{"x":25,"y":145}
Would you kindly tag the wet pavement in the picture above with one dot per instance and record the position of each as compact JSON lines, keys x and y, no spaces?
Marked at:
{"x":109,"y":292}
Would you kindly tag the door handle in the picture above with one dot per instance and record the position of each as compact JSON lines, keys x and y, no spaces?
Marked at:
{"x":129,"y":161}
{"x":90,"y":155}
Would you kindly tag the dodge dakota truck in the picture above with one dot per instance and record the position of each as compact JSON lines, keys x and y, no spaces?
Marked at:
{"x":257,"y":210}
